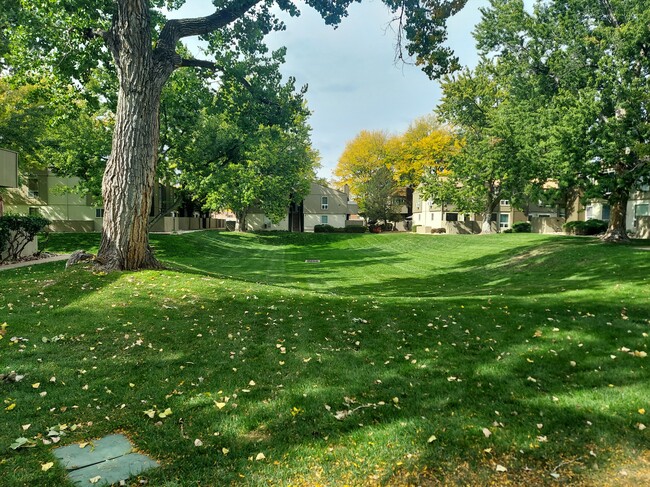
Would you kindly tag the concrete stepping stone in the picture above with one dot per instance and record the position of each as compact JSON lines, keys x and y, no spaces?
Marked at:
{"x":103,"y":462}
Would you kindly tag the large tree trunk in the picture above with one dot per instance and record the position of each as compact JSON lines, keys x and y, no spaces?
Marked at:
{"x":617,"y":229}
{"x":486,"y":225}
{"x":240,"y":225}
{"x":127,"y":187}
{"x":128,"y":183}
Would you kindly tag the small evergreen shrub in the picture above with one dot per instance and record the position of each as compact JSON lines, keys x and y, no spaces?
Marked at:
{"x":438,"y":230}
{"x":415,"y":228}
{"x":324,"y":229}
{"x":508,"y":230}
{"x":521,"y":227}
{"x":16,"y":231}
{"x":594,"y":227}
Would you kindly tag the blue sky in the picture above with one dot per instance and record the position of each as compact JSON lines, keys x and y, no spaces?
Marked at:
{"x":354,"y":82}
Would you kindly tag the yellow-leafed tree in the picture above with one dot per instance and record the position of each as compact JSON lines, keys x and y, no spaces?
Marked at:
{"x":361,"y":158}
{"x":425,"y":148}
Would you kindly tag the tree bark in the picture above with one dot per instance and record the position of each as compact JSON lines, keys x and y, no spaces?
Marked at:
{"x":486,"y":226}
{"x":240,"y":225}
{"x":127,"y":187}
{"x":617,"y":229}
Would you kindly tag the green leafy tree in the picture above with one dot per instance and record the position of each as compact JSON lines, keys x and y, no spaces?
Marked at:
{"x":24,"y":121}
{"x":376,"y":202}
{"x":74,"y":137}
{"x":251,"y":157}
{"x":493,"y":161}
{"x":587,"y":63}
{"x":71,"y":40}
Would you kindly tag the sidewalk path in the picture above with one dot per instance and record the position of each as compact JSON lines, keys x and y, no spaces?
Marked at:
{"x":56,"y":258}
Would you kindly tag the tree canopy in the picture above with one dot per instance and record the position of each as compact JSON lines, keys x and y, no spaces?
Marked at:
{"x":579,"y":71}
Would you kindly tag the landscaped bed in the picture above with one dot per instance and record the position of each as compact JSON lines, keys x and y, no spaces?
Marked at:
{"x":331,"y":359}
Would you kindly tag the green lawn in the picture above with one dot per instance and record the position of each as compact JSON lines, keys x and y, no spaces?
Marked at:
{"x":396,"y":359}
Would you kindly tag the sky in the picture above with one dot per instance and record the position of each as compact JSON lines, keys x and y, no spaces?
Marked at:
{"x":354,"y":82}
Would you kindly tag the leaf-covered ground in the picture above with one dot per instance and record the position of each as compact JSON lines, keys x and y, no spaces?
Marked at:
{"x":396,"y":359}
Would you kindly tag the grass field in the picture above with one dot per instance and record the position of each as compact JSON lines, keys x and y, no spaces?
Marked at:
{"x":396,"y":359}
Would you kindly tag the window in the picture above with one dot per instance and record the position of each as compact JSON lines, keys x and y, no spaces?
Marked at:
{"x":606,"y":211}
{"x":504,"y":202}
{"x":34,"y":211}
{"x":642,"y":210}
{"x":324,"y":219}
{"x":99,"y":212}
{"x":32,"y":187}
{"x":451,"y":217}
{"x":504,"y":220}
{"x":323,"y":203}
{"x":589,"y":212}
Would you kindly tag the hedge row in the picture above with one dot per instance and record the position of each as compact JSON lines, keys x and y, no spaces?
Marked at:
{"x":590,"y":227}
{"x":331,"y":229}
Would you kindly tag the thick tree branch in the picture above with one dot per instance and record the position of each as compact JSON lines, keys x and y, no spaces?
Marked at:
{"x":176,"y":29}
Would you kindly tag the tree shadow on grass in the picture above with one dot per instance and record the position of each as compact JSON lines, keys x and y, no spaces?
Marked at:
{"x":409,"y":371}
{"x":260,"y":258}
{"x":559,"y":266}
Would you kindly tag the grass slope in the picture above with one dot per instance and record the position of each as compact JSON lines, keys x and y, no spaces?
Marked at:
{"x":396,"y":359}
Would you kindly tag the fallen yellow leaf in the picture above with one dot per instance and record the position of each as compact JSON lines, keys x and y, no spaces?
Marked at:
{"x":46,"y":466}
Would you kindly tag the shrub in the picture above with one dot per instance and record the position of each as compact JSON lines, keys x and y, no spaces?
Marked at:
{"x":16,"y":231}
{"x":521,"y":227}
{"x":415,"y":228}
{"x":594,"y":227}
{"x":590,"y":227}
{"x":355,"y":229}
{"x":570,"y":227}
{"x":324,"y":229}
{"x":508,"y":230}
{"x":438,"y":230}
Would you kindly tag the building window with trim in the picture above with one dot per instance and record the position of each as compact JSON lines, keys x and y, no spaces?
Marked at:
{"x":34,"y":211}
{"x":451,"y":217}
{"x":324,"y":220}
{"x":504,"y":220}
{"x":504,"y":202}
{"x":324,"y":203}
{"x":32,"y":187}
{"x":640,"y":210}
{"x":99,"y":212}
{"x":605,"y":213}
